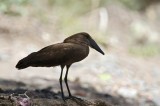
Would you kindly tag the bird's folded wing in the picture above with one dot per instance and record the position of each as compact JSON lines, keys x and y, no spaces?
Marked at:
{"x":52,"y":55}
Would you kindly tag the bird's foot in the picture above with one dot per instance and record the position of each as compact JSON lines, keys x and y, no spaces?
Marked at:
{"x":71,"y":97}
{"x":64,"y":98}
{"x":74,"y":98}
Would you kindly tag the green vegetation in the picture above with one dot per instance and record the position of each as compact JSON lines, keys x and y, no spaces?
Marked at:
{"x":6,"y":6}
{"x":75,"y":7}
{"x":135,"y":4}
{"x":145,"y":50}
{"x":105,"y":76}
{"x":138,"y":4}
{"x":68,"y":16}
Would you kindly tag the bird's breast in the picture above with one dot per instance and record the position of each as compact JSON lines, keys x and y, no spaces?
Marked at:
{"x":79,"y":52}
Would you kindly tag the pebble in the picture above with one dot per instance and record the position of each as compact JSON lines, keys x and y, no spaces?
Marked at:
{"x":127,"y":92}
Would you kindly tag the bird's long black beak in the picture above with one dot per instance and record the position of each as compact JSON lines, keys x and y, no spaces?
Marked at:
{"x":94,"y":45}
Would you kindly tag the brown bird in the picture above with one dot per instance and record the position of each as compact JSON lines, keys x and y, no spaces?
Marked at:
{"x":73,"y":49}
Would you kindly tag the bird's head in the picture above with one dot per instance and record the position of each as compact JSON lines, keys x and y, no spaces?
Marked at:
{"x":83,"y":38}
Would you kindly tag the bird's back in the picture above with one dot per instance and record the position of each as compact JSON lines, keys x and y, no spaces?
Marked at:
{"x":53,"y":55}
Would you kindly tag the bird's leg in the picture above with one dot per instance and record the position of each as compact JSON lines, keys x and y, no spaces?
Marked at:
{"x":60,"y":80}
{"x":66,"y":80}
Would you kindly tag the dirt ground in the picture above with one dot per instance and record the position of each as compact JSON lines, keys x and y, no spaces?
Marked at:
{"x":15,"y":93}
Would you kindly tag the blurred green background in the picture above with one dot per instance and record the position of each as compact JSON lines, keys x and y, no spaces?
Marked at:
{"x":68,"y":17}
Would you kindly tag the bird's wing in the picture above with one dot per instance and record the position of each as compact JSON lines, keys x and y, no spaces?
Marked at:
{"x":52,"y":55}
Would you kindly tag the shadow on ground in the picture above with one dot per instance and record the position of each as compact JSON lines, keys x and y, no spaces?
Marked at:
{"x":14,"y":93}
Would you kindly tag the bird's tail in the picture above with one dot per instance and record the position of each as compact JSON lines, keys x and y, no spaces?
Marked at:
{"x":23,"y":63}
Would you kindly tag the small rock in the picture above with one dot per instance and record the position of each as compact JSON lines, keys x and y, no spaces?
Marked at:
{"x":127,"y":92}
{"x":4,"y":56}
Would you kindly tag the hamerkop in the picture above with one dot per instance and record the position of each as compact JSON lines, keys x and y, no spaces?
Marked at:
{"x":73,"y":49}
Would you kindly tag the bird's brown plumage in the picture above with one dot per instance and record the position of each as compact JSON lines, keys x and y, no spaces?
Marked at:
{"x":73,"y":49}
{"x":58,"y":54}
